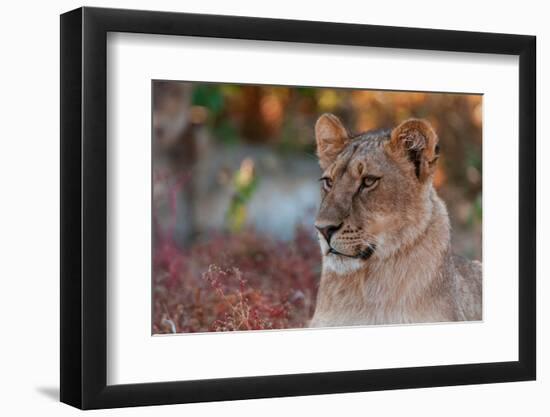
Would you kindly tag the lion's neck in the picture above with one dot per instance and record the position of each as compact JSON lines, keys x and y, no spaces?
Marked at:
{"x":393,"y":289}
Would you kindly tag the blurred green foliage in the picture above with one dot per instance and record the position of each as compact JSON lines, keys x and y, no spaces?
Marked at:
{"x":245,"y":183}
{"x":209,"y":96}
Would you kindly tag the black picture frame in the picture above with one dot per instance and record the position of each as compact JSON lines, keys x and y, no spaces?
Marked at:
{"x":84,"y":207}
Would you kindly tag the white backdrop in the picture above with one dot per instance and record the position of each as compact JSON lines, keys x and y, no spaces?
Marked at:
{"x":29,"y":213}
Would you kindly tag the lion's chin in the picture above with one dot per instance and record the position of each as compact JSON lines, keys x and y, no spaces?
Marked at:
{"x":341,"y":265}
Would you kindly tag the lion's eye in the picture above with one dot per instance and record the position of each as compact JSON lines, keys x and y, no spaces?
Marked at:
{"x":327,"y":183}
{"x":369,"y":181}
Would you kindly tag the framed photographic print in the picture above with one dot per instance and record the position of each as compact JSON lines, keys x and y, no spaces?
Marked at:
{"x":258,"y":208}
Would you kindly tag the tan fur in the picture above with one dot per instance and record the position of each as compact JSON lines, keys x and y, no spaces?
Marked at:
{"x":391,"y":259}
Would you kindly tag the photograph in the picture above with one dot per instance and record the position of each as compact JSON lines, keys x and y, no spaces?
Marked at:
{"x":264,"y":206}
{"x":293,"y":207}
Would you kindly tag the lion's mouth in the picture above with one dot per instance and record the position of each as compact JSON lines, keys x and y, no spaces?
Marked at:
{"x":363,"y":254}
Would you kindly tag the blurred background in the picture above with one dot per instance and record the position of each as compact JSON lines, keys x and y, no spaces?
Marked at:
{"x":235,"y":193}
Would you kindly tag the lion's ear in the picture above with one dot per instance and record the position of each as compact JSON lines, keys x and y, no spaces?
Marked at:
{"x":331,"y":137}
{"x":416,"y":140}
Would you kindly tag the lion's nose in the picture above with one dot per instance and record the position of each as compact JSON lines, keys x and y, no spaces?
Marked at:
{"x":328,"y":231}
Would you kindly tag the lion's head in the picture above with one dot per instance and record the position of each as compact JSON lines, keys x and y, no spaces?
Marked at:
{"x":375,"y":188}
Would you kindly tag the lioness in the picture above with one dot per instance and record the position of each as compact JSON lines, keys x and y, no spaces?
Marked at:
{"x":384,"y":232}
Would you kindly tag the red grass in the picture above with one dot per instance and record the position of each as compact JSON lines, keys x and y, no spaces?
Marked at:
{"x":242,"y":281}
